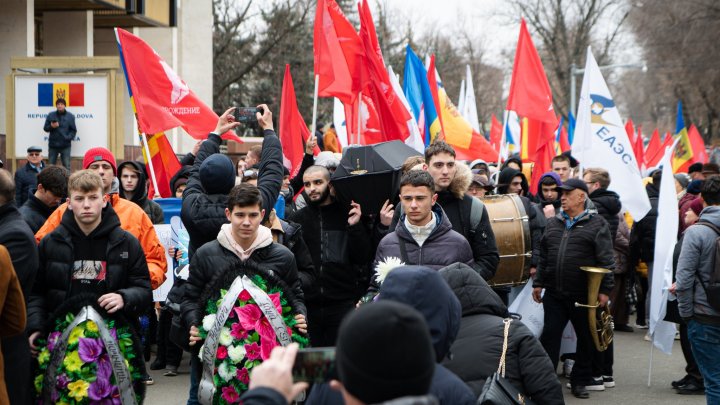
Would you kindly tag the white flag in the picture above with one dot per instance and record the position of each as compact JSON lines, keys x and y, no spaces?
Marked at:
{"x":662,"y":332}
{"x":461,"y":98}
{"x":339,"y":121}
{"x":469,"y":107}
{"x":601,"y":141}
{"x":415,"y":140}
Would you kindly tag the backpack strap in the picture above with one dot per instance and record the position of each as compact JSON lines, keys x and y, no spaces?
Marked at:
{"x":709,"y":225}
{"x":476,"y":211}
{"x":716,"y":271}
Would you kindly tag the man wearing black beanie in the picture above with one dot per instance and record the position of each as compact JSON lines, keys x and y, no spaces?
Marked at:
{"x":384,"y":352}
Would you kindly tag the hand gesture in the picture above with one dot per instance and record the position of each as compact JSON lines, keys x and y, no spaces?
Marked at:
{"x":265,"y":120}
{"x":226,"y":122}
{"x":301,"y":323}
{"x":386,"y":213}
{"x":276,"y":373}
{"x":111,"y":302}
{"x":310,"y":145}
{"x":355,"y":214}
{"x":537,"y":294}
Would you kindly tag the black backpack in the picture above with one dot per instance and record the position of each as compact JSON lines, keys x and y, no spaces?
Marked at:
{"x":712,"y":289}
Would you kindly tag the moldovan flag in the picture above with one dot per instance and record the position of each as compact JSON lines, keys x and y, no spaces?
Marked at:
{"x":293,"y":130}
{"x":683,"y":152}
{"x":468,"y":143}
{"x":601,"y":141}
{"x":530,"y":97}
{"x":72,"y":93}
{"x":160,"y":98}
{"x":165,"y":164}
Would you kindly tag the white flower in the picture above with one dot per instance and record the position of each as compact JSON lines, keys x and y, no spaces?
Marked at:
{"x":227,"y":372}
{"x":208,"y":322}
{"x":225,"y":338}
{"x":386,"y":266}
{"x":236,"y":353}
{"x":200,"y":353}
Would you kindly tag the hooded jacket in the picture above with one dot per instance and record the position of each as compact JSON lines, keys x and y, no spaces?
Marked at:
{"x":477,"y":349}
{"x":126,"y":268}
{"x":696,"y":263}
{"x":140,"y":197}
{"x":219,"y":256}
{"x":539,"y":195}
{"x":423,"y":289}
{"x":642,"y":235}
{"x":608,"y":206}
{"x":183,"y":173}
{"x":505,"y":178}
{"x":203,"y":212}
{"x":132,"y":219}
{"x":564,"y":250}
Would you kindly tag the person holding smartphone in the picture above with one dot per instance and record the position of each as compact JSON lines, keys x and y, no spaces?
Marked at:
{"x":60,"y":124}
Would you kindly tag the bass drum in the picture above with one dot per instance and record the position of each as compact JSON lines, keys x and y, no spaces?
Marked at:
{"x":511,"y":226}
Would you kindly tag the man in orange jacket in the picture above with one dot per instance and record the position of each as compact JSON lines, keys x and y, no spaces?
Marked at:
{"x":132,"y":218}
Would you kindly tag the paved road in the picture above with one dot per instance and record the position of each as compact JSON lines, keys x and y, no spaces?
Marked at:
{"x":631,"y":371}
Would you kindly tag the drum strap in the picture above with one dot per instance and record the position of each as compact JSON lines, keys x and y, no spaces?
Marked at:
{"x":476,"y":211}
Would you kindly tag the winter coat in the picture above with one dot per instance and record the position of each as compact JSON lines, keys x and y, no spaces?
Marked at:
{"x":25,"y":180}
{"x":330,"y":141}
{"x":696,"y":263}
{"x":12,"y":311}
{"x":217,"y":257}
{"x":203,"y":214}
{"x":35,"y":212}
{"x":126,"y":269}
{"x":61,"y":136}
{"x":341,"y":254}
{"x":621,"y":246}
{"x":423,"y":289}
{"x":289,"y":234}
{"x":140,"y":197}
{"x":563,"y":251}
{"x":132,"y":219}
{"x":608,"y":206}
{"x":642,"y":236}
{"x":477,"y":349}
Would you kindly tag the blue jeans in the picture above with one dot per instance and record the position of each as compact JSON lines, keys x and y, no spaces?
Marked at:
{"x":64,"y":156}
{"x":195,"y":376}
{"x":705,"y":341}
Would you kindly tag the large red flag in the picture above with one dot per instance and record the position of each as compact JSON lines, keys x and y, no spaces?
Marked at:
{"x":530,"y":97}
{"x":495,"y":132}
{"x":698,"y":145}
{"x":655,"y":158}
{"x":293,"y":130}
{"x":337,"y":53}
{"x":639,"y":148}
{"x":652,"y":146}
{"x":370,"y":131}
{"x":160,"y":98}
{"x":630,"y":129}
{"x":564,"y":142}
{"x":393,"y":115}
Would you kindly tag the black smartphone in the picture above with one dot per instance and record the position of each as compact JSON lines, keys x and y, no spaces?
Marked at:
{"x":314,"y":365}
{"x":246,"y":115}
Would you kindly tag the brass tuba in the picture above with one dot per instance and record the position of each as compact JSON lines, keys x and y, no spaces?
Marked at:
{"x":601,"y":322}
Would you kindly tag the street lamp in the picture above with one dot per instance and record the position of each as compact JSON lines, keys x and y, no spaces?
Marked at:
{"x":574,"y":71}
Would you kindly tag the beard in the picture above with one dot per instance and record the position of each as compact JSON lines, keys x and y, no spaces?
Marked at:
{"x":323,"y":197}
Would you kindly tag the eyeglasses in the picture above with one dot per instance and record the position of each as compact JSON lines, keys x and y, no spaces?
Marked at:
{"x":34,"y":154}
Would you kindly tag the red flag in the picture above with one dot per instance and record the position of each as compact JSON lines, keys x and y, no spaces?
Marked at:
{"x":530,"y":97}
{"x":433,"y":82}
{"x":370,"y":129}
{"x":393,"y":115}
{"x":164,"y":165}
{"x":652,"y":147}
{"x":160,"y":98}
{"x":564,"y":142}
{"x":630,"y":129}
{"x":495,"y":132}
{"x":293,"y":130}
{"x":639,"y":148}
{"x":337,"y":53}
{"x":654,"y":159}
{"x":698,"y":145}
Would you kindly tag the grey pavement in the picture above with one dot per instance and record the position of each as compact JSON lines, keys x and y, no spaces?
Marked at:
{"x":632,"y":354}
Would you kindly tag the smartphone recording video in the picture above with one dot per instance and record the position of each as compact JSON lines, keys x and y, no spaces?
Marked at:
{"x":314,"y":365}
{"x":246,"y":115}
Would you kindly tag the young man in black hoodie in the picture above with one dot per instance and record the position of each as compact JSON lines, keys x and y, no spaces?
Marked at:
{"x":88,"y":253}
{"x":133,"y":187}
{"x":50,"y":192}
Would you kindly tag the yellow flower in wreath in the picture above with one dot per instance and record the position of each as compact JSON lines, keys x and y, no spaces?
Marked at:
{"x":75,"y":335}
{"x":78,"y":389}
{"x":72,"y":362}
{"x":91,"y":326}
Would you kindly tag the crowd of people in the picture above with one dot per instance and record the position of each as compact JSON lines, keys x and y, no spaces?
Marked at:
{"x":406,"y":296}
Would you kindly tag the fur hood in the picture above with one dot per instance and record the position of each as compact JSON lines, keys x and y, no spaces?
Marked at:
{"x":461,"y":182}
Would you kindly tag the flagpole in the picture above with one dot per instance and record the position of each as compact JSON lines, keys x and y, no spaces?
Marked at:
{"x":315,"y":100}
{"x":150,"y":163}
{"x":652,"y":345}
{"x":359,"y":113}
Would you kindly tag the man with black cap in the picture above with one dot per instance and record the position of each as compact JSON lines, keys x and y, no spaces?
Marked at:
{"x":695,"y":171}
{"x":61,"y":127}
{"x":26,"y":176}
{"x":575,"y":237}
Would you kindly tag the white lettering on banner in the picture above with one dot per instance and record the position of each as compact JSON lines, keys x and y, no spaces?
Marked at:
{"x":183,"y":110}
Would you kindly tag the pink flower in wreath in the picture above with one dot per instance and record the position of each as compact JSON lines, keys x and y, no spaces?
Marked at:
{"x":252,"y":318}
{"x":237,"y":332}
{"x":245,"y":296}
{"x":243,"y":375}
{"x":252,"y":351}
{"x":230,"y":395}
{"x":222,"y":352}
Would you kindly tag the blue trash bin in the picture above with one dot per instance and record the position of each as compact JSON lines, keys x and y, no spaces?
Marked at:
{"x":170,"y":206}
